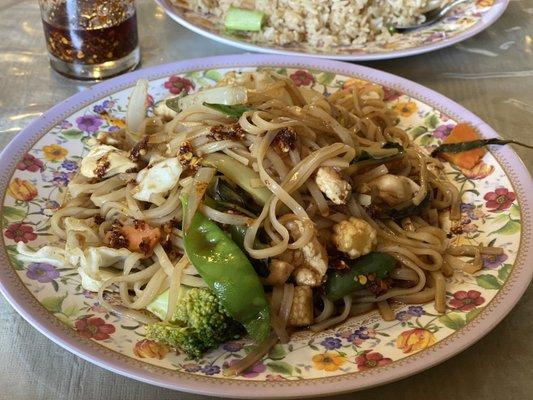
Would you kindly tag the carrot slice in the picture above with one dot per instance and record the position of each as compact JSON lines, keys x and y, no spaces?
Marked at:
{"x":464,"y":132}
{"x":141,"y":237}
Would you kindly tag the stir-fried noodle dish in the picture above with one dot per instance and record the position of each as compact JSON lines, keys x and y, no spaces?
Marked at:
{"x":258,"y":208}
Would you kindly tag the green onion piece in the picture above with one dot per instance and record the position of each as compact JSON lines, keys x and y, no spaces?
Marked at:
{"x":391,"y":28}
{"x":232,"y":111}
{"x":459,"y":147}
{"x":240,"y":19}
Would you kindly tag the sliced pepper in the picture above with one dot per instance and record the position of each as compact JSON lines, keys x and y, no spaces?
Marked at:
{"x":229,"y":273}
{"x":344,"y":282}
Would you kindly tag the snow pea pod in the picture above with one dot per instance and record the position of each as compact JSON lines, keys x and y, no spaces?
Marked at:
{"x":343,"y":282}
{"x":237,"y":233}
{"x":229,"y":273}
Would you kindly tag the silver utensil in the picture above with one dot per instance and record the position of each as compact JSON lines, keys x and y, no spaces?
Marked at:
{"x":432,"y":17}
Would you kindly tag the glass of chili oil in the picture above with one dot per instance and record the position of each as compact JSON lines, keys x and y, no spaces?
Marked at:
{"x":91,"y":39}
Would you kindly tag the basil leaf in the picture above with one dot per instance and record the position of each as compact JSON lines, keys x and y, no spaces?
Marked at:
{"x":460,"y":147}
{"x":232,"y":111}
{"x":367,"y":158}
{"x":173,"y":103}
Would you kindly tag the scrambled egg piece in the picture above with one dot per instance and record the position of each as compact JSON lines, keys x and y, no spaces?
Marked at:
{"x":302,"y":307}
{"x":104,"y":161}
{"x":279,"y":272}
{"x":393,"y":189}
{"x":354,"y":237}
{"x":330,"y":182}
{"x":157,"y":179}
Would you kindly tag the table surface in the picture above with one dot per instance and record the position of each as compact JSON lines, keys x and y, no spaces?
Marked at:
{"x":490,"y":74}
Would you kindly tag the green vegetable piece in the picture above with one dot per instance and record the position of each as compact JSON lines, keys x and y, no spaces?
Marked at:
{"x":159,"y":305}
{"x":228,"y":272}
{"x":343,"y":282}
{"x":240,"y":174}
{"x":199,"y":324}
{"x":227,"y":196}
{"x":459,"y":147}
{"x":173,"y":103}
{"x":367,"y":158}
{"x":237,"y":233}
{"x":231,"y":111}
{"x":240,"y":19}
{"x":225,"y":206}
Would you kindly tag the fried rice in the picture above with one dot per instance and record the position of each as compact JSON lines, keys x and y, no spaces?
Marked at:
{"x":324,"y":24}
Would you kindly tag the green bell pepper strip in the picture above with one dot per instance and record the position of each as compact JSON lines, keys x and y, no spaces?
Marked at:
{"x":343,"y":282}
{"x":229,"y":273}
{"x":239,"y":174}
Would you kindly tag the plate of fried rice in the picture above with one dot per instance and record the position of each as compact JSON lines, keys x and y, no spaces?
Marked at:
{"x":351,"y":30}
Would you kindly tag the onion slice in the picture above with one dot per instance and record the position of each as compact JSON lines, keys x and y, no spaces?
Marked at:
{"x":252,"y":357}
{"x":227,"y":95}
{"x":137,"y":106}
{"x":196,"y":193}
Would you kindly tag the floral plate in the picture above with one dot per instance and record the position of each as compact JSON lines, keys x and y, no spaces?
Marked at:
{"x":365,"y":351}
{"x":463,"y":22}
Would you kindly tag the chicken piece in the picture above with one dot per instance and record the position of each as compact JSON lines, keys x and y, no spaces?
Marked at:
{"x":355,"y":237}
{"x":394,"y":189}
{"x":279,"y":272}
{"x":162,"y":110}
{"x":314,"y":254}
{"x":104,"y":161}
{"x":330,"y":182}
{"x":302,"y":307}
{"x":307,"y":277}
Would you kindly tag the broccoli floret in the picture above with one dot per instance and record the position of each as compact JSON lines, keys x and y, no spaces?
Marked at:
{"x":178,"y":337}
{"x":199,"y":324}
